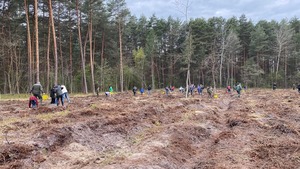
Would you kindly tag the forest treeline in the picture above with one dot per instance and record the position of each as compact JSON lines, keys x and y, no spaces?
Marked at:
{"x":81,"y":43}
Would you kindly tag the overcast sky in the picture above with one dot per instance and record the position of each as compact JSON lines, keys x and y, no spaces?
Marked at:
{"x":253,"y":9}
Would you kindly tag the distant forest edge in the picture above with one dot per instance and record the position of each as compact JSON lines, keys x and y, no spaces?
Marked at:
{"x":85,"y":43}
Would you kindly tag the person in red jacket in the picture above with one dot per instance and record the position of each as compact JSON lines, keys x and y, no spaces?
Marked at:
{"x":33,"y":102}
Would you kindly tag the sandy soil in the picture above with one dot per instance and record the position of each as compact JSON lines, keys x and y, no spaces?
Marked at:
{"x":258,"y":130}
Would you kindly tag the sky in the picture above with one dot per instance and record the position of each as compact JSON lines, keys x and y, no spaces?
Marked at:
{"x":253,"y":9}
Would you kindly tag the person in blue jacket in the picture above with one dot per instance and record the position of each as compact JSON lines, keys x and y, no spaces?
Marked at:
{"x":142,"y":90}
{"x":199,"y":89}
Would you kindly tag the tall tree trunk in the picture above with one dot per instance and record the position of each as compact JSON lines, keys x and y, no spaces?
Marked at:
{"x":54,"y":43}
{"x":189,"y":57}
{"x":222,"y":55}
{"x":158,"y":74}
{"x":285,"y":70}
{"x":91,"y":49}
{"x":28,"y":46}
{"x":232,"y":72}
{"x":228,"y":72}
{"x":152,"y":72}
{"x":163,"y":74}
{"x":37,"y":40}
{"x":71,"y":54}
{"x":48,"y":54}
{"x":102,"y":61}
{"x":33,"y":56}
{"x":121,"y":56}
{"x":60,"y":45}
{"x":213,"y":71}
{"x":278,"y":60}
{"x":18,"y":70}
{"x":81,"y":50}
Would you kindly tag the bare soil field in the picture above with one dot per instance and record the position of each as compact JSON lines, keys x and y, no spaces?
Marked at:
{"x":261,"y":129}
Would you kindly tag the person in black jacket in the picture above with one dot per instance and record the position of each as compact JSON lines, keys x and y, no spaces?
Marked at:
{"x":274,"y":86}
{"x":149,"y":89}
{"x":134,"y":89}
{"x":52,"y":95}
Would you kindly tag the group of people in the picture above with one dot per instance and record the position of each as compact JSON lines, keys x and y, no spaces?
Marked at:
{"x":209,"y":89}
{"x":58,"y":93}
{"x":142,"y":90}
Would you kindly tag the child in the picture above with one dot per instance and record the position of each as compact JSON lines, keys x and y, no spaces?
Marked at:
{"x":33,"y":102}
{"x":110,"y":89}
{"x":173,"y":88}
{"x":228,"y":89}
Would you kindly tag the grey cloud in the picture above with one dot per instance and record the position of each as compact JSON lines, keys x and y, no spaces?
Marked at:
{"x":253,"y":9}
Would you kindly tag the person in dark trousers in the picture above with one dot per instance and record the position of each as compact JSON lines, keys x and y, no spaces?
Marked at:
{"x":274,"y":86}
{"x":65,"y":93}
{"x":149,"y":89}
{"x":52,"y":95}
{"x":59,"y":95}
{"x":37,"y":90}
{"x":33,"y":102}
{"x":238,"y":89}
{"x":298,"y":88}
{"x":191,"y":89}
{"x":228,"y":89}
{"x":209,"y":91}
{"x":167,"y":90}
{"x":142,"y":90}
{"x":294,"y":86}
{"x":199,"y":89}
{"x":134,"y":89}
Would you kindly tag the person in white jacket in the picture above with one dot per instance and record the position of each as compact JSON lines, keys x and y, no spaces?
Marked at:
{"x":65,"y":93}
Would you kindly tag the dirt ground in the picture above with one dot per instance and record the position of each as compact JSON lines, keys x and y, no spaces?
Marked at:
{"x":261,"y":129}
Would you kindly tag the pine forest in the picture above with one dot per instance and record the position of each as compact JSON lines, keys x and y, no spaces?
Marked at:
{"x":83,"y":43}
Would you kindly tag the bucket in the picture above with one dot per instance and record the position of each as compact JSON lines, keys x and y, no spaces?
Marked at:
{"x":216,"y":95}
{"x":45,"y":97}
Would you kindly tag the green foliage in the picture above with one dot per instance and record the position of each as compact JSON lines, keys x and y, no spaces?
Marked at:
{"x":251,"y":72}
{"x":131,"y":78}
{"x":139,"y":56}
